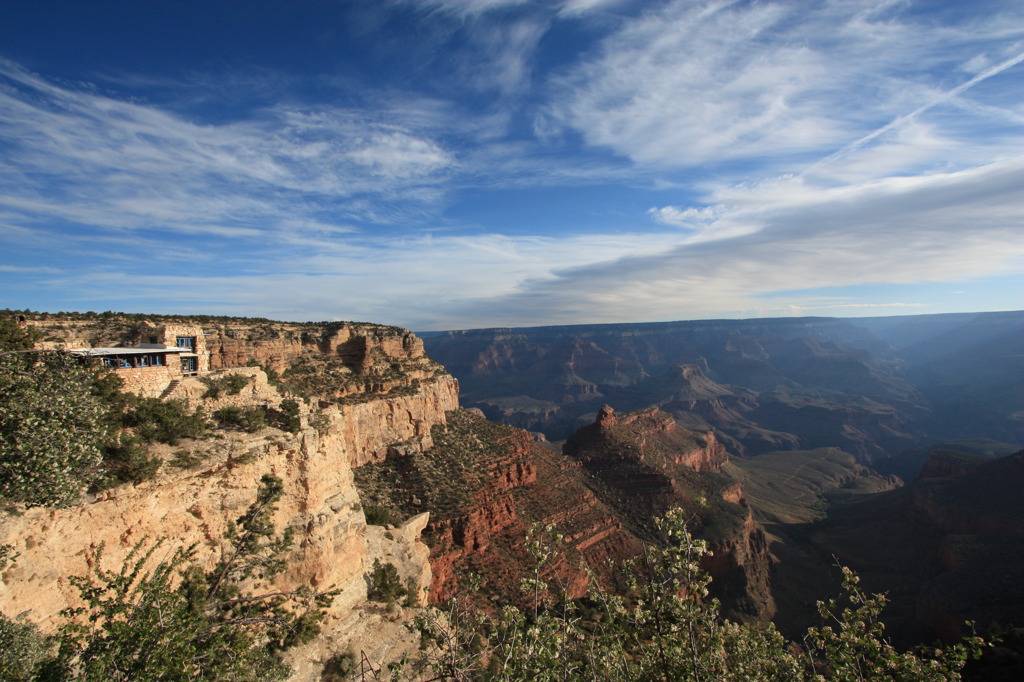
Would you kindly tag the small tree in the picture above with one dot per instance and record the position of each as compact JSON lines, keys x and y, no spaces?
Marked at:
{"x":287,"y":419}
{"x":14,"y":337}
{"x":851,"y":644}
{"x":385,"y":584}
{"x":52,"y":428}
{"x":177,"y":622}
{"x":661,"y":625}
{"x":165,"y":421}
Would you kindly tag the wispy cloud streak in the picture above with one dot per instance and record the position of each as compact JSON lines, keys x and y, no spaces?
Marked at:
{"x":906,"y":118}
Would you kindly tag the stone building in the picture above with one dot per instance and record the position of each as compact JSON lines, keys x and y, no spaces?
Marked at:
{"x":153,"y":368}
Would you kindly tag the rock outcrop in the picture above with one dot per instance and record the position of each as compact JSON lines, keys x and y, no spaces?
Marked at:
{"x":205,"y":484}
{"x":647,"y":464}
{"x":762,"y":385}
{"x":486,"y":485}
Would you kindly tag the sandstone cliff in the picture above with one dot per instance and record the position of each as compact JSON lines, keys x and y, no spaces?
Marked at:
{"x":486,"y":484}
{"x":203,"y":484}
{"x":347,"y":361}
{"x":645,"y":464}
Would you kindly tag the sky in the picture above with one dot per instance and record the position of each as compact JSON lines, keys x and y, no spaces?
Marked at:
{"x":451,"y":164}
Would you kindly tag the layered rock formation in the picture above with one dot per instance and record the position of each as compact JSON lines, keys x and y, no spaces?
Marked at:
{"x":646,"y":464}
{"x":486,"y":485}
{"x":216,"y":478}
{"x":349,"y":361}
{"x":763,"y":385}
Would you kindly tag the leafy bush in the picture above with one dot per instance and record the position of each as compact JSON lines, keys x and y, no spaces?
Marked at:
{"x":385,"y":584}
{"x":376,"y":516}
{"x":250,"y":419}
{"x":166,"y":421}
{"x":175,"y":621}
{"x":339,"y":668}
{"x":13,"y":337}
{"x":231,"y":384}
{"x":24,"y":649}
{"x":287,"y":416}
{"x":52,"y":428}
{"x":127,"y":461}
{"x":662,"y":626}
{"x":320,"y":421}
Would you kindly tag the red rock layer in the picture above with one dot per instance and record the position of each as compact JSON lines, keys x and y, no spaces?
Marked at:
{"x":647,"y":464}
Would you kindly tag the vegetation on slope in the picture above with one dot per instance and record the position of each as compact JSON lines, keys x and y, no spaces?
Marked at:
{"x":444,"y":478}
{"x":172,"y":620}
{"x":661,"y":625}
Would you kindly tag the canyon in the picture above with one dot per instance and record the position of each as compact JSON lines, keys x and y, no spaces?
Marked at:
{"x":874,"y":387}
{"x":790,"y":444}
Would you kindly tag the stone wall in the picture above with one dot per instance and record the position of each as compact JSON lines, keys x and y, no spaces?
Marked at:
{"x":150,"y":382}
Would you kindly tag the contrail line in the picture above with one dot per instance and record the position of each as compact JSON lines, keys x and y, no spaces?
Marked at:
{"x":895,"y":123}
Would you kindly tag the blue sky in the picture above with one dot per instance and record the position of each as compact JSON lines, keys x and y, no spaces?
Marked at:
{"x":442,"y":164}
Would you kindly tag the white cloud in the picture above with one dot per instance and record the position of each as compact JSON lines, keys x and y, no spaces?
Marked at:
{"x":575,"y":8}
{"x":816,"y":144}
{"x":468,"y":7}
{"x":944,"y":227}
{"x":691,"y":218}
{"x":701,"y":83}
{"x":397,"y":155}
{"x":83,"y":157}
{"x":504,"y":54}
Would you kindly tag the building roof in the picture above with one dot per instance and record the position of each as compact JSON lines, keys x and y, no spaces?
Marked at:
{"x":134,"y":350}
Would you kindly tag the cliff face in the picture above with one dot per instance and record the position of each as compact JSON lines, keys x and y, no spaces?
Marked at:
{"x":762,"y":385}
{"x":404,"y":397}
{"x":647,"y":464}
{"x":347,"y":361}
{"x":486,"y":485}
{"x":194,"y":505}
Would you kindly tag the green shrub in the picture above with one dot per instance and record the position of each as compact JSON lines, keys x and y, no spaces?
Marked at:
{"x":320,"y":421}
{"x":339,"y":667}
{"x":23,"y":650}
{"x":173,"y":620}
{"x":286,"y":417}
{"x":385,"y":584}
{"x":250,"y":419}
{"x":253,"y":419}
{"x":183,"y":459}
{"x":166,"y":421}
{"x":376,"y":515}
{"x":230,"y":384}
{"x":228,"y":416}
{"x":52,"y":428}
{"x":13,"y":337}
{"x":127,"y":461}
{"x":661,"y":625}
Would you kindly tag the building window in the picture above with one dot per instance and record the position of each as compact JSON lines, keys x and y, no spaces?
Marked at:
{"x":153,"y":339}
{"x":189,"y":365}
{"x":124,"y":362}
{"x":186,"y":342}
{"x":110,"y":362}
